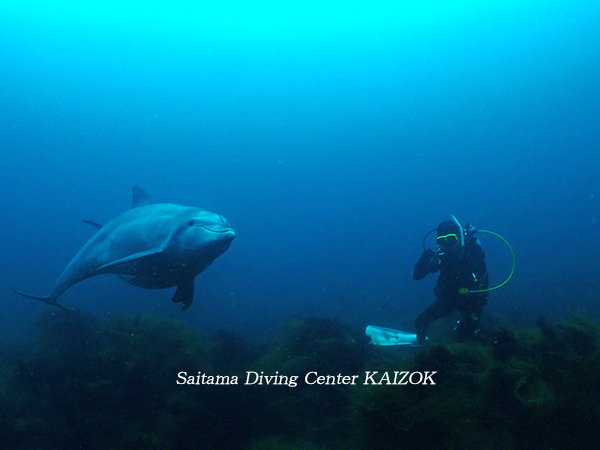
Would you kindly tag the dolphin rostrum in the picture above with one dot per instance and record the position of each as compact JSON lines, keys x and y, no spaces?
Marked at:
{"x":153,"y":246}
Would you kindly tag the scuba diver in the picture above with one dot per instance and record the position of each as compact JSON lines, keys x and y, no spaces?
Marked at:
{"x":460,"y":261}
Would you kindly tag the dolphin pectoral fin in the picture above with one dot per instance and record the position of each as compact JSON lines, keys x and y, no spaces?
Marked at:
{"x":129,"y":279}
{"x":143,"y":282}
{"x":48,"y":299}
{"x":185,"y":293}
{"x":92,"y":223}
{"x":130,"y":258}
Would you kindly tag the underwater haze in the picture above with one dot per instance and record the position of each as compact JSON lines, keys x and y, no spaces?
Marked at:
{"x":332,"y":135}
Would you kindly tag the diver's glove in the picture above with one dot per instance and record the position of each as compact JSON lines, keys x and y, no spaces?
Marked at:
{"x":427,"y":263}
{"x":470,"y":230}
{"x":427,"y":256}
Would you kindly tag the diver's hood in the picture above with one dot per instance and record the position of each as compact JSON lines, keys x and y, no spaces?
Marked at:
{"x":461,"y":232}
{"x":453,"y":226}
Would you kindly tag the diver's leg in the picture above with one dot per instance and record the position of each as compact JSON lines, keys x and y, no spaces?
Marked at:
{"x":466,"y":326}
{"x":433,"y":312}
{"x":469,"y":323}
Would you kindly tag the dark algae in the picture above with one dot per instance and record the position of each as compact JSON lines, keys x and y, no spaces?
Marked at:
{"x":118,"y":383}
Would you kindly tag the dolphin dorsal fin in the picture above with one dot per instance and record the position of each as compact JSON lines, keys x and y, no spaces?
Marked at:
{"x":140,"y":197}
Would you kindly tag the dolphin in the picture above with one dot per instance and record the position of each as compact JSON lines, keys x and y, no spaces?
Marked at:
{"x":152,"y":245}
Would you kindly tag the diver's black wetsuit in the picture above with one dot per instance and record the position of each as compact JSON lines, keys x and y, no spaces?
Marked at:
{"x":456,"y":272}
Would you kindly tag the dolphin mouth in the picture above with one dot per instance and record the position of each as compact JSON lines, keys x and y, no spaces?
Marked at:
{"x":219,"y":229}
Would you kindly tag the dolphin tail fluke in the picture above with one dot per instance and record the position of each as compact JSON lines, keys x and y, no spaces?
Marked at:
{"x":48,"y":299}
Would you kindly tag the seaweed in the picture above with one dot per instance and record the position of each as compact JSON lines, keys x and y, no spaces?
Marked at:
{"x":89,"y":383}
{"x":534,"y":388}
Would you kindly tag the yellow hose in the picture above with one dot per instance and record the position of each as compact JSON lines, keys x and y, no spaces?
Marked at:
{"x":513,"y":265}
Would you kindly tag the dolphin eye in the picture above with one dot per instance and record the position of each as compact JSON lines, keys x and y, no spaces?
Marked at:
{"x":191,"y":223}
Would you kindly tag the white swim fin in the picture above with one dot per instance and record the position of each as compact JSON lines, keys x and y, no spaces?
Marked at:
{"x":388,"y":336}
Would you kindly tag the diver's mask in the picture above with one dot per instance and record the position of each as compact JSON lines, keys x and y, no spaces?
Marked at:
{"x":447,"y":240}
{"x":449,"y":246}
{"x":450,"y":238}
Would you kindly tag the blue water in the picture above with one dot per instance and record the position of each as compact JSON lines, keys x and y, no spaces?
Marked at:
{"x":332,"y":135}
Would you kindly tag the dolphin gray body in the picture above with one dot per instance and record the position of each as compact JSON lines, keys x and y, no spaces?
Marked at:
{"x":153,"y":246}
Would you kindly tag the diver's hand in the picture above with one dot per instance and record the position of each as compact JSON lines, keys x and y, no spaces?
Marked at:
{"x":427,"y":263}
{"x":470,"y":230}
{"x":427,"y":256}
